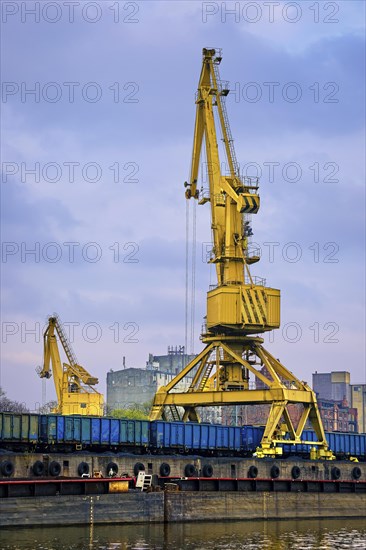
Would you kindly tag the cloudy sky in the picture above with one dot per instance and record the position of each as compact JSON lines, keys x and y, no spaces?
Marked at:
{"x":98,"y":112}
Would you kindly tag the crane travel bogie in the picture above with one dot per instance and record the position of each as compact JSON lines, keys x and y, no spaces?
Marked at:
{"x":241,"y":307}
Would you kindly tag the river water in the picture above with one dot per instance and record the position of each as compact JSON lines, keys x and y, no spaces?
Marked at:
{"x":258,"y":535}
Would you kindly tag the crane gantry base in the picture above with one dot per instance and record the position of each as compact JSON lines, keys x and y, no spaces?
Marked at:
{"x":219,"y":376}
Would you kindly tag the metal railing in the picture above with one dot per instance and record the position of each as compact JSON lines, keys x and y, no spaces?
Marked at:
{"x":252,"y":182}
{"x":258,"y":281}
{"x":253,"y":252}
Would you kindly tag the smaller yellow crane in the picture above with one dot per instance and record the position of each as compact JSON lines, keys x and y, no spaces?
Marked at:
{"x":73,"y":384}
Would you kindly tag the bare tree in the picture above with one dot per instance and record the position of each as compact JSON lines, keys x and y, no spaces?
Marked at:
{"x":48,"y":407}
{"x":7,"y":405}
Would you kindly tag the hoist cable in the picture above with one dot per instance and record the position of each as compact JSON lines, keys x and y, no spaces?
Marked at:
{"x":187,"y":269}
{"x":193,"y":277}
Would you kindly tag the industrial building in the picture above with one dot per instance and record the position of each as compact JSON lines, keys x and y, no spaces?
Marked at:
{"x":334,"y":386}
{"x":358,"y":400}
{"x":338,"y":416}
{"x":342,"y":405}
{"x":135,"y":386}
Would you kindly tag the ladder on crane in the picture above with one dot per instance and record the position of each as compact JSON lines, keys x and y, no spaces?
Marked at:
{"x":223,"y":91}
{"x":174,"y":413}
{"x":64,"y":341}
{"x":77,"y":369}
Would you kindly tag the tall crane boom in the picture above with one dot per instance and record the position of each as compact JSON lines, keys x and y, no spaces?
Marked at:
{"x":73,"y":384}
{"x":237,"y":303}
{"x":240,"y":307}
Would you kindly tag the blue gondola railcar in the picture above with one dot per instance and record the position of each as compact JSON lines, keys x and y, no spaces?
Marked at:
{"x":18,"y":430}
{"x":300,"y":449}
{"x":343,"y":444}
{"x":66,"y":433}
{"x":251,"y":437}
{"x":52,"y":430}
{"x":92,"y":432}
{"x":134,"y":432}
{"x":228,"y":438}
{"x":192,"y":436}
{"x":347,"y":444}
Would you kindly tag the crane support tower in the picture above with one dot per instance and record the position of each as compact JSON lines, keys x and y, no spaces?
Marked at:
{"x":240,"y":307}
{"x":74,"y":385}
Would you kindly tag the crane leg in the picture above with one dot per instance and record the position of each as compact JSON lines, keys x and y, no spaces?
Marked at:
{"x":213,"y":380}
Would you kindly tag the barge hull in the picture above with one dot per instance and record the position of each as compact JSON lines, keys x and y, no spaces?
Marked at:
{"x":180,"y":506}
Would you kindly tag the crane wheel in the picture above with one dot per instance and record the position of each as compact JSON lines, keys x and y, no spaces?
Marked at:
{"x":190,"y":470}
{"x":112,"y":466}
{"x":164,"y":469}
{"x":356,"y":472}
{"x":207,"y":470}
{"x":336,"y":473}
{"x":83,"y":468}
{"x":275,"y":471}
{"x":138,"y":467}
{"x":253,"y":472}
{"x":7,"y":468}
{"x":295,"y":472}
{"x":38,"y":468}
{"x":54,"y":469}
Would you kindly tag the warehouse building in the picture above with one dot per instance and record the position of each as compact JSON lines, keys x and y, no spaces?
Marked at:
{"x":358,"y":400}
{"x":132,"y":386}
{"x":342,"y":404}
{"x":334,"y":386}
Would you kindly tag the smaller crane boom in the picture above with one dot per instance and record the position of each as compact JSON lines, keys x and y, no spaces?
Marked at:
{"x":73,"y":384}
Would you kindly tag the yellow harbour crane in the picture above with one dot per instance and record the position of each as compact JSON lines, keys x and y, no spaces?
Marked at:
{"x":74,"y":385}
{"x":240,"y":307}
